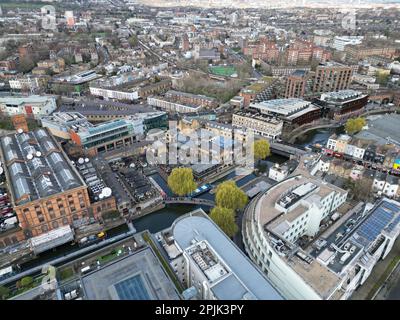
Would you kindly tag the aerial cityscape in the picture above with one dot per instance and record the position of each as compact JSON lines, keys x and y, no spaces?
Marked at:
{"x":199,"y":150}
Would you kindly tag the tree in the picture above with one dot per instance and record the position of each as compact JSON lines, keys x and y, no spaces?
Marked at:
{"x":133,"y":41}
{"x":261,"y":149}
{"x":354,"y":125}
{"x":229,"y":196}
{"x":181,"y":181}
{"x":26,"y":281}
{"x":4,"y":292}
{"x":225,"y":219}
{"x":26,"y":64}
{"x":360,"y":189}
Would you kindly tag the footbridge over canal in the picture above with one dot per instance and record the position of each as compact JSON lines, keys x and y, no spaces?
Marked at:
{"x":189,"y":200}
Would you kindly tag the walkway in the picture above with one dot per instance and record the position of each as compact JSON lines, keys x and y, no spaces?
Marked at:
{"x":188,"y":200}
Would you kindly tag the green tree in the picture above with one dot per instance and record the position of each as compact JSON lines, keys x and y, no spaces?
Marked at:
{"x":225,"y":219}
{"x":181,"y":181}
{"x":26,"y":281}
{"x":26,"y":64}
{"x":261,"y":149}
{"x":360,"y":190}
{"x":354,"y":125}
{"x":133,"y":41}
{"x":4,"y":292}
{"x":382,"y":78}
{"x":229,"y":196}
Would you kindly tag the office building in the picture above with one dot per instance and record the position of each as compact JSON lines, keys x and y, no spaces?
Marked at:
{"x":107,"y":136}
{"x":342,"y":104}
{"x":261,"y":124}
{"x":207,"y":261}
{"x":292,"y":111}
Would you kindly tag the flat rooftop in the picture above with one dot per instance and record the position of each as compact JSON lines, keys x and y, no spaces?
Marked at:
{"x":244,"y":280}
{"x":284,"y":107}
{"x":105,"y":108}
{"x":382,"y":130}
{"x":138,"y":276}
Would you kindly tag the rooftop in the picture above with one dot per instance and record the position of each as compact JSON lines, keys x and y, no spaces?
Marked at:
{"x":138,"y":276}
{"x":284,"y":107}
{"x":242,"y":280}
{"x":382,"y":130}
{"x":36,"y":166}
{"x":342,"y":96}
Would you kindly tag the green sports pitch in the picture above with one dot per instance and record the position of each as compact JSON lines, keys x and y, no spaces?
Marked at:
{"x":225,"y":71}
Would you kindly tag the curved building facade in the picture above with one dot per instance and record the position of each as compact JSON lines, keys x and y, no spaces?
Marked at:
{"x":276,"y":220}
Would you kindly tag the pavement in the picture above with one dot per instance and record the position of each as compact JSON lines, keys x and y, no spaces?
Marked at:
{"x":393,"y":283}
{"x":391,"y":289}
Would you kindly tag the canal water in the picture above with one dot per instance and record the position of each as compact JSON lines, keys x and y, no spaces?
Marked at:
{"x":318,"y":136}
{"x":164,"y":218}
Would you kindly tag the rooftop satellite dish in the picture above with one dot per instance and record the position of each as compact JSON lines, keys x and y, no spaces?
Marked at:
{"x":38,"y":153}
{"x":30,"y":156}
{"x":106,"y":192}
{"x":1,"y":170}
{"x":81,"y":160}
{"x":20,"y":130}
{"x":101,"y":196}
{"x":86,"y":160}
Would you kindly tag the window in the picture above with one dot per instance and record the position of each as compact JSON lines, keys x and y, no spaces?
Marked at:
{"x":55,"y":224}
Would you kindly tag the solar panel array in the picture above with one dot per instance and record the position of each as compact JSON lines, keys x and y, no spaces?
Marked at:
{"x":132,"y":289}
{"x":376,"y":222}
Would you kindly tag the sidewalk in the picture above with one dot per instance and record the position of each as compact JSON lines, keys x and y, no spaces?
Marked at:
{"x":364,"y":291}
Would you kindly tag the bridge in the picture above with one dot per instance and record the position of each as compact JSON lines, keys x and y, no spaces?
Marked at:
{"x":286,"y":149}
{"x":306,"y":128}
{"x":189,"y":200}
{"x":335,"y":124}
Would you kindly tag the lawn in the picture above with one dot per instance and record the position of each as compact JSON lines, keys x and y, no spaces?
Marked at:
{"x":66,"y":273}
{"x":110,"y":256}
{"x":164,"y":263}
{"x":225,"y":71}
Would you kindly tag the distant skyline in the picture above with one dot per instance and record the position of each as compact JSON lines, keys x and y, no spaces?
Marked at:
{"x":271,"y":4}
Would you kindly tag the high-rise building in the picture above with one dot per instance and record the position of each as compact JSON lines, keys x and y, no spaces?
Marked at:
{"x":296,"y":84}
{"x":332,"y":76}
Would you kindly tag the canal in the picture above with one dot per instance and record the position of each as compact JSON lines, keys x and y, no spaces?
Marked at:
{"x":318,"y":136}
{"x":164,"y":218}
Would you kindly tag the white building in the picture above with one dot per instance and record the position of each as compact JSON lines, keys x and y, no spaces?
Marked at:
{"x":339,"y":43}
{"x":172,"y":106}
{"x":260,"y":124}
{"x":33,"y":105}
{"x":278,"y":173}
{"x":28,"y":83}
{"x":206,"y":260}
{"x":384,"y":184}
{"x":279,"y":235}
{"x":108,"y":94}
